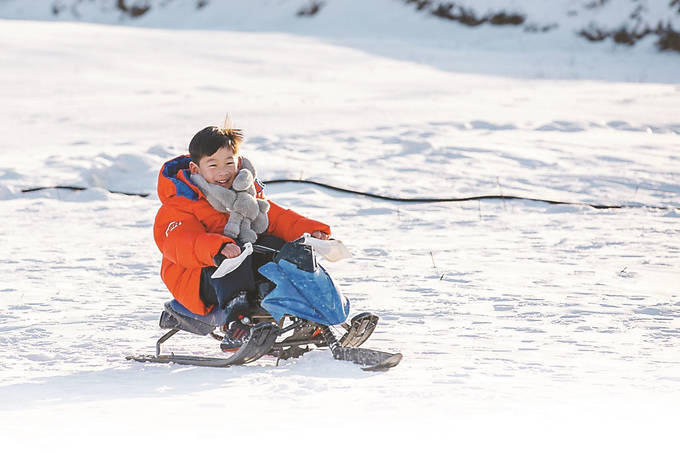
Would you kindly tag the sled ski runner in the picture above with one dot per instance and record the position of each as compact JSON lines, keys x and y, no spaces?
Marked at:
{"x":371,"y":360}
{"x":260,"y":341}
{"x":297,"y":291}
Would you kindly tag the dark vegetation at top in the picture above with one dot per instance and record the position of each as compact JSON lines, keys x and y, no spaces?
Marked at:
{"x":311,"y":9}
{"x":130,"y":8}
{"x":668,"y":38}
{"x":628,"y":34}
{"x":451,"y":11}
{"x":467,"y":16}
{"x":133,"y":10}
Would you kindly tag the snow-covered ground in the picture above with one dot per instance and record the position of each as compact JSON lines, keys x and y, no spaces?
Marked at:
{"x":524,"y":326}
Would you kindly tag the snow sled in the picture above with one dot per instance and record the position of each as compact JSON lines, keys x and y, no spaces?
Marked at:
{"x":293,"y":312}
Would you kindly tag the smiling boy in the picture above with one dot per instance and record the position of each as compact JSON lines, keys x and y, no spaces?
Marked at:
{"x":190,"y":227}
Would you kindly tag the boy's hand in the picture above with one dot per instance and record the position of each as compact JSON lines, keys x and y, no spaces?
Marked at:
{"x":231,"y":250}
{"x":321,"y":235}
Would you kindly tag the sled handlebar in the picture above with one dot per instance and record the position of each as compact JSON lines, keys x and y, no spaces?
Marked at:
{"x":332,"y":250}
{"x":263,"y":249}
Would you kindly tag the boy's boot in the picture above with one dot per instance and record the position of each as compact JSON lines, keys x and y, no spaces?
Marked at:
{"x":236,"y":332}
{"x":235,"y":336}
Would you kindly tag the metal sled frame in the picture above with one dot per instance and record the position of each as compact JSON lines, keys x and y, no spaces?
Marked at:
{"x":304,"y":293}
{"x":260,"y":341}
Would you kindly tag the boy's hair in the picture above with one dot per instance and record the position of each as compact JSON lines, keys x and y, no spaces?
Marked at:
{"x":207,"y":141}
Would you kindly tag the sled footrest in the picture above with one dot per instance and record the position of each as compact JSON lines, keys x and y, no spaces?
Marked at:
{"x":361,"y":327}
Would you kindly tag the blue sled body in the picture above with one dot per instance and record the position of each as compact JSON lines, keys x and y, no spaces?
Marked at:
{"x":307,"y":295}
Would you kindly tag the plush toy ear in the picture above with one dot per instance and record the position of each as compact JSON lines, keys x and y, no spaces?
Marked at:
{"x":245,"y":163}
{"x":243,"y":180}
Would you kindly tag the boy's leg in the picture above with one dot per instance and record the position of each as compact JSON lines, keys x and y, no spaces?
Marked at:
{"x":219,"y":291}
{"x":260,"y":259}
{"x":263,"y":285}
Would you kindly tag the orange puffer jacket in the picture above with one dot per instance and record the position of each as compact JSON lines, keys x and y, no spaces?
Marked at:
{"x":188,"y":231}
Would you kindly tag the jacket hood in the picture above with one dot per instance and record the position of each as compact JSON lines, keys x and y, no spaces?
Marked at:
{"x":174,"y":180}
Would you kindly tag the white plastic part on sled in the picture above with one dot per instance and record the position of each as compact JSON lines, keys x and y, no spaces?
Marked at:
{"x":331,"y":249}
{"x":229,"y":264}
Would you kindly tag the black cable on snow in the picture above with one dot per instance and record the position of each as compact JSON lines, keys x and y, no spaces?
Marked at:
{"x":397,"y":199}
{"x":460,"y":199}
{"x":78,"y":189}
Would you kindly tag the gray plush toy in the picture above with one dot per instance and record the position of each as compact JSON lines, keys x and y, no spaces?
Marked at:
{"x":247,"y":214}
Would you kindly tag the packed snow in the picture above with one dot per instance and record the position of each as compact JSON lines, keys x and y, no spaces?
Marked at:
{"x":524,"y":326}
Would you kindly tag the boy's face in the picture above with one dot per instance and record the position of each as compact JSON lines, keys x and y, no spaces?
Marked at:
{"x":220,"y":168}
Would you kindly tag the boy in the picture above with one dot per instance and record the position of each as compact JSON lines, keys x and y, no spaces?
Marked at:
{"x":193,"y":224}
